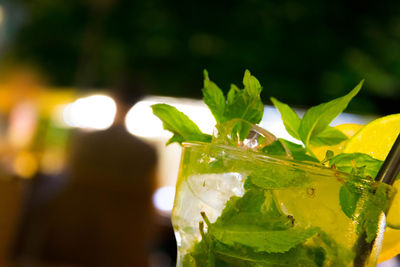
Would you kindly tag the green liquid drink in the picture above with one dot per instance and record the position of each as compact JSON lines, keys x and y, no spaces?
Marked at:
{"x":247,"y":198}
{"x":237,"y":207}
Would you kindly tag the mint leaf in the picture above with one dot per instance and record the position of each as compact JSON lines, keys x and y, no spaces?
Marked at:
{"x":378,"y":205}
{"x":298,"y":151}
{"x":328,"y":137}
{"x":365,"y":204}
{"x":357,"y":163}
{"x":289,"y":117}
{"x":175,"y":139}
{"x":214,"y":98}
{"x":277,"y":176}
{"x":348,"y":199}
{"x":317,"y":118}
{"x":261,"y":240}
{"x":256,"y":221}
{"x":179,"y":124}
{"x":275,"y":149}
{"x":257,"y":208}
{"x":239,"y":255}
{"x":371,"y":209}
{"x":232,"y":94}
{"x":251,"y":84}
{"x":245,"y":104}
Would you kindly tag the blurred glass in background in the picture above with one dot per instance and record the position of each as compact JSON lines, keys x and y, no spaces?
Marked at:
{"x":85,"y":177}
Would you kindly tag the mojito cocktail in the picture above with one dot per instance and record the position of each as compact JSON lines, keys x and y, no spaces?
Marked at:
{"x":247,"y":198}
{"x":236,"y":207}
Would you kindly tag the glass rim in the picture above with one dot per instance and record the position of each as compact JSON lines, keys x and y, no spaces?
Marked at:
{"x":296,"y":164}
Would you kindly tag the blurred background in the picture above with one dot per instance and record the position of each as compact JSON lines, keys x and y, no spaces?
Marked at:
{"x":85,"y":177}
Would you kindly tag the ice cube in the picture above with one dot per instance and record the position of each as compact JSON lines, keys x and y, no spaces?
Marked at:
{"x":208,"y":193}
{"x":241,"y":133}
{"x":202,"y":192}
{"x":216,"y":189}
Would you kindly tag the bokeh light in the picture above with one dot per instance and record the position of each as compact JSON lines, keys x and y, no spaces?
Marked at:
{"x":163,"y":199}
{"x":96,"y":112}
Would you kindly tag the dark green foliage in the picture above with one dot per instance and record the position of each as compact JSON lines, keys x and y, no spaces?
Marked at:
{"x":302,"y":55}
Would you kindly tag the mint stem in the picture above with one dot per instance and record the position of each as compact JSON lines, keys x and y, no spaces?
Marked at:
{"x":203,"y":214}
{"x":201,"y":229}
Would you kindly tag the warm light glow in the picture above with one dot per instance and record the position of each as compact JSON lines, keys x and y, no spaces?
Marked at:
{"x":58,"y":116}
{"x":141,"y":121}
{"x":25,"y":164}
{"x":22,"y":124}
{"x":95,"y":112}
{"x":52,"y":161}
{"x":163,"y":199}
{"x":1,"y":15}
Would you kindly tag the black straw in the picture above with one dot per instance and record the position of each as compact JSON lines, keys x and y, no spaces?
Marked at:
{"x":387,"y":174}
{"x":391,"y":166}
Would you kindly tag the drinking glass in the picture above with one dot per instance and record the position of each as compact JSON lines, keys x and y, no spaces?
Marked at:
{"x":238,"y":207}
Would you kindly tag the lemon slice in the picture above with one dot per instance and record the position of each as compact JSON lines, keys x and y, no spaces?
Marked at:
{"x":375,"y":139}
{"x":393,"y":217}
{"x":349,"y":129}
{"x":390,"y":246}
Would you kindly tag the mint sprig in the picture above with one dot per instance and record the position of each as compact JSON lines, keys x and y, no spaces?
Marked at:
{"x":214,"y":98}
{"x":357,"y":163}
{"x":183,"y":128}
{"x":313,"y":128}
{"x":318,"y":118}
{"x":243,"y":103}
{"x":290,"y":119}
